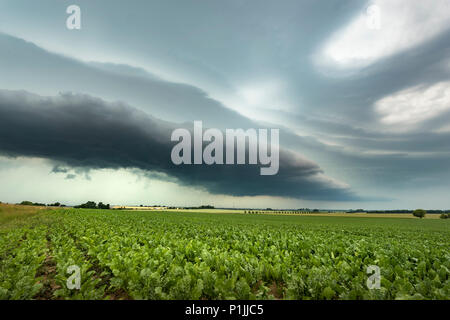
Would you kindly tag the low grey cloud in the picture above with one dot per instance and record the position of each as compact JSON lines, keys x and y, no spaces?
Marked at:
{"x":80,"y":131}
{"x":59,"y":169}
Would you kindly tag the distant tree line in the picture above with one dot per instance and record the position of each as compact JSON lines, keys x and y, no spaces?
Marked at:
{"x":398,"y":211}
{"x":29,"y":203}
{"x":420,"y":213}
{"x":294,"y":211}
{"x":286,"y":211}
{"x":201,"y":207}
{"x":87,"y":205}
{"x":93,"y":205}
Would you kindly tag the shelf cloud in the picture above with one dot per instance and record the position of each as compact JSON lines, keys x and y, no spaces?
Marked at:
{"x":81,"y":131}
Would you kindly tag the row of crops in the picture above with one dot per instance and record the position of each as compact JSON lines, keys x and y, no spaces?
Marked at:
{"x":162,"y":255}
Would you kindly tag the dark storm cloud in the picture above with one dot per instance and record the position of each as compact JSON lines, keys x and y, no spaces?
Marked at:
{"x":84,"y":132}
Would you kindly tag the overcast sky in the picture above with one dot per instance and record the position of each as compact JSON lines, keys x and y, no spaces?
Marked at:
{"x":360,"y":91}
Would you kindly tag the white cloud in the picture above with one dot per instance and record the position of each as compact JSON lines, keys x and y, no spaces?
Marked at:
{"x":403,"y":24}
{"x":261,"y":93}
{"x":258,"y":99}
{"x":415,"y":104}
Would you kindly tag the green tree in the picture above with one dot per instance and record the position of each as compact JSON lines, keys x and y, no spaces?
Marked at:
{"x":88,"y":205}
{"x":103,"y":206}
{"x":420,"y":213}
{"x":56,"y":204}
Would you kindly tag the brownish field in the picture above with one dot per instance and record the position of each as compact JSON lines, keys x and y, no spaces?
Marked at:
{"x":10,"y":212}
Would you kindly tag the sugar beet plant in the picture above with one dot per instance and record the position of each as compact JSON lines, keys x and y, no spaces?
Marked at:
{"x":165,"y":255}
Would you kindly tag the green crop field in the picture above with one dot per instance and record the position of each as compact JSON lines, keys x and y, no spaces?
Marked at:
{"x":189,"y":255}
